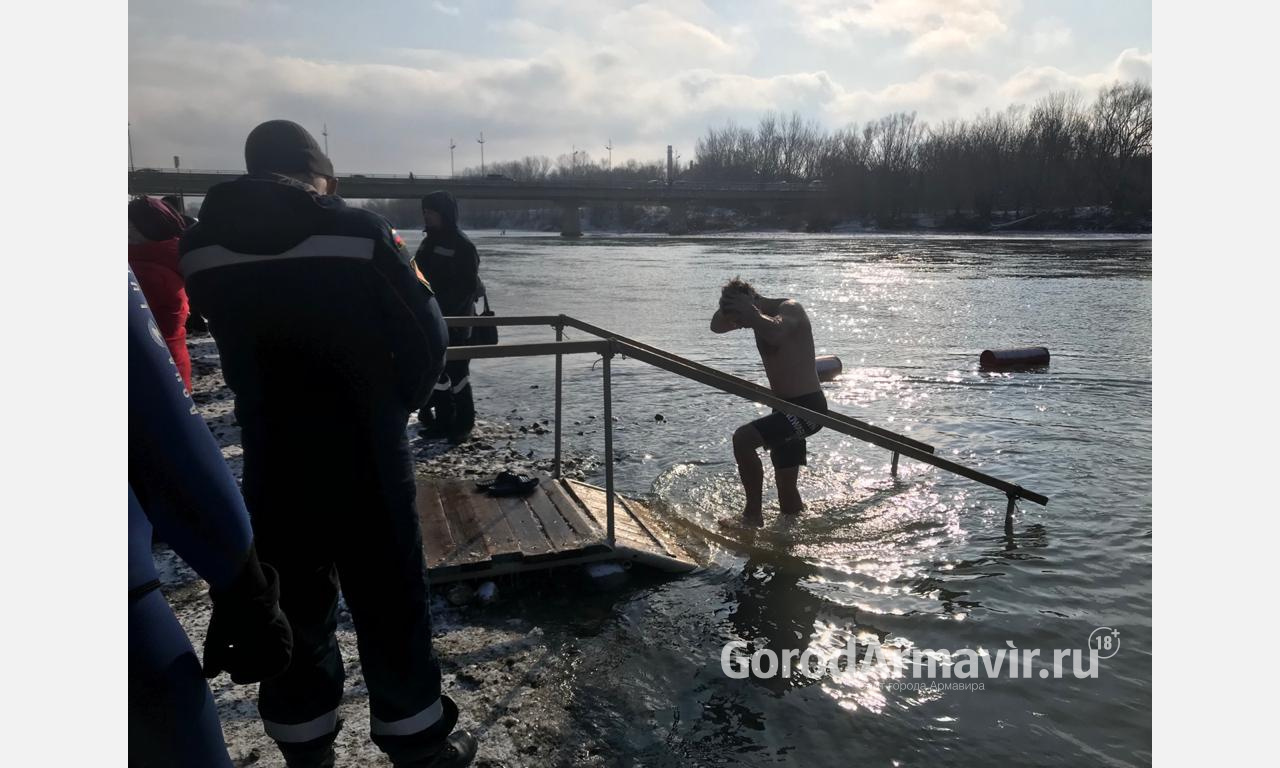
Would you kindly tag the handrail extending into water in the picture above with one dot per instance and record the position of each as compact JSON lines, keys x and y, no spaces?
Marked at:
{"x":732,"y":380}
{"x":608,"y":344}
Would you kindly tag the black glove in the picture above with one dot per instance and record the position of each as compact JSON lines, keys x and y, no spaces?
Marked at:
{"x":249,"y":637}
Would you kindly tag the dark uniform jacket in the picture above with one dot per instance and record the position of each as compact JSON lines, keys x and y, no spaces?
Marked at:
{"x":328,"y":335}
{"x":449,"y":261}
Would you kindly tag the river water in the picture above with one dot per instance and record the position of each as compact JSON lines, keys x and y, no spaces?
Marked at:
{"x":923,"y":562}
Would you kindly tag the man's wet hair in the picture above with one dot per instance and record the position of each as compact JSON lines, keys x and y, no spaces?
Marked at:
{"x":738,"y":285}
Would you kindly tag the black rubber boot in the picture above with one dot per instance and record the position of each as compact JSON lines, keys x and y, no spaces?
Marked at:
{"x":426,"y":419}
{"x":317,"y":753}
{"x":464,"y":416}
{"x":438,"y":747}
{"x":458,"y":750}
{"x":320,"y":757}
{"x":442,"y":403}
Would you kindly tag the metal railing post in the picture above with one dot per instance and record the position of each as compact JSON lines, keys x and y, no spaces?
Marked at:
{"x":608,"y":445}
{"x":893,"y":469}
{"x":555,"y":467}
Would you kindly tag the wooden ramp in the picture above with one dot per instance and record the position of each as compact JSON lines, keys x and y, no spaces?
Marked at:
{"x":468,"y":534}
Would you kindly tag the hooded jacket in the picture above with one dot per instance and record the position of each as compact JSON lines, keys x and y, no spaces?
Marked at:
{"x":323,"y":324}
{"x":449,"y":261}
{"x":155,"y":263}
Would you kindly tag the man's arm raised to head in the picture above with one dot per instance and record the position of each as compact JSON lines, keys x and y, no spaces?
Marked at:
{"x":776,"y":328}
{"x":720,"y":323}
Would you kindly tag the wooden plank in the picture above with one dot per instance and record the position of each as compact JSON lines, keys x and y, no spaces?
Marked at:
{"x":468,"y":540}
{"x":659,"y":529}
{"x":637,"y":511}
{"x":571,"y":511}
{"x":442,"y":573}
{"x":437,"y":540}
{"x":624,"y":528}
{"x":499,"y":539}
{"x":528,"y":531}
{"x":554,"y":526}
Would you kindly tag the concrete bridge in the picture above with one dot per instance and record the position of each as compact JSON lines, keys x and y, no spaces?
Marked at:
{"x":569,"y":194}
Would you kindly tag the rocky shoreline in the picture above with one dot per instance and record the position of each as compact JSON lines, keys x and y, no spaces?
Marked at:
{"x":502,"y":667}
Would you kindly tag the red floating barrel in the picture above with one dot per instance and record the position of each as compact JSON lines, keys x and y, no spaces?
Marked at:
{"x":1026,"y":357}
{"x":829,"y":367}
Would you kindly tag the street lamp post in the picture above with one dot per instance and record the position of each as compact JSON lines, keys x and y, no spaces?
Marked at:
{"x":609,"y":147}
{"x":325,"y":133}
{"x":480,"y":141}
{"x":177,"y":167}
{"x":452,"y":146}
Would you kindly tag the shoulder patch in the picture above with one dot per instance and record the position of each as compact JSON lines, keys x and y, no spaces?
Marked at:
{"x":418,"y":273}
{"x":402,"y":250}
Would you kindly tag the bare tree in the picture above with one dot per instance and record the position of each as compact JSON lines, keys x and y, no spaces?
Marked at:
{"x":1120,"y":137}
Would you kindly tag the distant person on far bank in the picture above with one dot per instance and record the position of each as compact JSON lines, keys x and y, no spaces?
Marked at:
{"x":784,"y":339}
{"x":449,"y":261}
{"x":154,"y":229}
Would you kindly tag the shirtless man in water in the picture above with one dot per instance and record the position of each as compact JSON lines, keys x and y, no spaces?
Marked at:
{"x":785,"y":340}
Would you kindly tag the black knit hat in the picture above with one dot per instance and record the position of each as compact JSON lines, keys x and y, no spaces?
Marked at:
{"x":283,"y":146}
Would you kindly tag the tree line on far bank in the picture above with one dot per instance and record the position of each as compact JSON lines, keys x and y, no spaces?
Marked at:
{"x":1059,"y":153}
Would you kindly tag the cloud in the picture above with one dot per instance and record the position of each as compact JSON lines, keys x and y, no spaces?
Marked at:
{"x":931,"y":27}
{"x":571,"y":72}
{"x":396,"y":116}
{"x":1033,"y":82}
{"x":652,"y":36}
{"x":1050,"y":35}
{"x":934,"y":95}
{"x":945,"y":94}
{"x":448,"y":10}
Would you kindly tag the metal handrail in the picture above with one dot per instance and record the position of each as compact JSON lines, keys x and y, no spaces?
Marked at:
{"x":825,"y":419}
{"x":608,"y":344}
{"x":707,"y":370}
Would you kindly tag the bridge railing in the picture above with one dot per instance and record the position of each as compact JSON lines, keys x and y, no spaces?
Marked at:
{"x":595,"y":182}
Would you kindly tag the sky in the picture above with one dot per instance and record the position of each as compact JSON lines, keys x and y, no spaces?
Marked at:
{"x":395,"y":81}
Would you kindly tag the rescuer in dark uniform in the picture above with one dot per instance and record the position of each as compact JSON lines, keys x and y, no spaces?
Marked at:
{"x":448,"y":259}
{"x":180,"y":488}
{"x":330,"y":339}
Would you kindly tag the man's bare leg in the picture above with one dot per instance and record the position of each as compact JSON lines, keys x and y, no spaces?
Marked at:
{"x":746,"y":444}
{"x":789,"y":501}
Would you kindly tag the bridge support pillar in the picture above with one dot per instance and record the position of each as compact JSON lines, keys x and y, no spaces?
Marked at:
{"x":570,"y":223}
{"x":677,"y":218}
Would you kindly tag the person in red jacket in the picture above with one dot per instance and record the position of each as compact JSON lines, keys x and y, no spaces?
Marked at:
{"x":153,"y":256}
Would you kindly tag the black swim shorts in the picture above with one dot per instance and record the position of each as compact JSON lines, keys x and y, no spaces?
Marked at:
{"x":784,"y":435}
